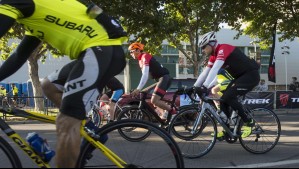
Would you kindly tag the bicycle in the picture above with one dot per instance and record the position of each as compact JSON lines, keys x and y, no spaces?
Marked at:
{"x":199,"y":124}
{"x":9,"y":102}
{"x":145,"y":112}
{"x":115,"y":152}
{"x":99,"y":114}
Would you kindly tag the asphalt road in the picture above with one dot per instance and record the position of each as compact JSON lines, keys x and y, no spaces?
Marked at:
{"x":284,"y":155}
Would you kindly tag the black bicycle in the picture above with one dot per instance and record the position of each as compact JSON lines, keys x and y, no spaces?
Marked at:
{"x":198,"y":125}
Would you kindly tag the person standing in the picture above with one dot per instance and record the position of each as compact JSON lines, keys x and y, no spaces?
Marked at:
{"x":294,"y":86}
{"x":15,"y":94}
{"x":262,"y":87}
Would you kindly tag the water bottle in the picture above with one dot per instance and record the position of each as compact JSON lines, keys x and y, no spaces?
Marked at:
{"x":223,"y":117}
{"x":234,"y":118}
{"x":40,"y":146}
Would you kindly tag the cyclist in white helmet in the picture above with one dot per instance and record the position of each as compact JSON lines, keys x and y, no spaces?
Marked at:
{"x":244,"y":70}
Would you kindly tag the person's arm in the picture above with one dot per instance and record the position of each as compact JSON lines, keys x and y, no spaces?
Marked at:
{"x":17,"y":59}
{"x":202,"y":77}
{"x":213,"y":73}
{"x":144,"y":78}
{"x":6,"y":23}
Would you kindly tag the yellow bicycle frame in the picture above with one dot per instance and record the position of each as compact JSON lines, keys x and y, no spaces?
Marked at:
{"x":49,"y":119}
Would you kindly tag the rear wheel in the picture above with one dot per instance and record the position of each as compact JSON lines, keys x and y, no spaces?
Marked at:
{"x":158,"y":150}
{"x":133,"y":112}
{"x":265,"y":134}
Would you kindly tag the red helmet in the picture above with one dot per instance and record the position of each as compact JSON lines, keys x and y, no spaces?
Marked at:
{"x":135,"y":46}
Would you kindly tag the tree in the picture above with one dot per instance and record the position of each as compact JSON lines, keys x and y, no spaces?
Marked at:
{"x":15,"y":34}
{"x":261,"y":16}
{"x":178,"y":21}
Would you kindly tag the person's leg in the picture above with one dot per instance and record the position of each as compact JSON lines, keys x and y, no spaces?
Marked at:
{"x":215,"y":94}
{"x":68,"y":141}
{"x":113,"y":100}
{"x":241,"y":86}
{"x":52,"y":92}
{"x":53,"y":85}
{"x":159,"y":93}
{"x":85,"y":82}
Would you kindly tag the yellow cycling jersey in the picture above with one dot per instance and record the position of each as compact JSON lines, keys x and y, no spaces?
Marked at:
{"x":223,"y":79}
{"x":3,"y":92}
{"x":62,"y":23}
{"x":15,"y":91}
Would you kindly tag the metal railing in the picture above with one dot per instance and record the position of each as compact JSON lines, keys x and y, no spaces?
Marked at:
{"x":35,"y":104}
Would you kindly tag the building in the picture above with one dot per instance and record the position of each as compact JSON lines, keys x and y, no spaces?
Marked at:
{"x":286,"y":64}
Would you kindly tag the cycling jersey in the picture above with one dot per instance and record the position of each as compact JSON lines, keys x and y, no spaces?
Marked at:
{"x":62,"y":23}
{"x":114,"y":84}
{"x":156,"y":70}
{"x":235,"y":61}
{"x":223,"y":79}
{"x":116,"y":89}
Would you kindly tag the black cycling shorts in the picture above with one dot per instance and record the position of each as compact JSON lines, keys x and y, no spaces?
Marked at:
{"x":84,"y":79}
{"x":163,"y":84}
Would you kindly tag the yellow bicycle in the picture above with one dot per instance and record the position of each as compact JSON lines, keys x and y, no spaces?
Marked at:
{"x":158,"y":150}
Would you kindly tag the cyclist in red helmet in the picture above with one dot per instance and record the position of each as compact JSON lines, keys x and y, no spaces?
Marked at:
{"x":150,"y":66}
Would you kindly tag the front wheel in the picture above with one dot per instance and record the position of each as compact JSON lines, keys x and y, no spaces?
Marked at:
{"x":265,"y":134}
{"x":9,"y":158}
{"x":158,"y":150}
{"x":194,"y":140}
{"x":133,"y":112}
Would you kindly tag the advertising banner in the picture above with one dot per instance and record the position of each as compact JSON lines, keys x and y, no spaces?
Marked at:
{"x":287,"y":100}
{"x":260,"y":99}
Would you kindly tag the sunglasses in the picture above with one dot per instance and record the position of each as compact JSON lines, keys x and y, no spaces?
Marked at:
{"x":132,"y":51}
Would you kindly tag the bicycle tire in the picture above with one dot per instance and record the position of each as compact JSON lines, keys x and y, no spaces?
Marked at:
{"x":159,"y":150}
{"x":198,"y":144}
{"x":265,"y":134}
{"x":96,"y":118}
{"x":9,"y":158}
{"x":133,"y":112}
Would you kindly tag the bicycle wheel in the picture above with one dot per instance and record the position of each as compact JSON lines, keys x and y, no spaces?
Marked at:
{"x":158,"y":150}
{"x":8,"y":156}
{"x":265,"y":134}
{"x":197,"y":143}
{"x":95,"y":117}
{"x":133,"y":112}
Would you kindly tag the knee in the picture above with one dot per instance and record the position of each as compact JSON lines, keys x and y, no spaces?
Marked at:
{"x":154,"y":101}
{"x":45,"y":84}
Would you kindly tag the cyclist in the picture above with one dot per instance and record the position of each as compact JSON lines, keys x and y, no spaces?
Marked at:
{"x":3,"y":95}
{"x":94,"y":42}
{"x":245,"y":71}
{"x":15,"y":93}
{"x":150,"y":66}
{"x":223,"y":80}
{"x":113,"y":95}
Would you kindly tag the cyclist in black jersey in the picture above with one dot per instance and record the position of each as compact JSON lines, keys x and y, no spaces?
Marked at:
{"x":116,"y":90}
{"x":97,"y":52}
{"x":244,"y":70}
{"x":150,"y":66}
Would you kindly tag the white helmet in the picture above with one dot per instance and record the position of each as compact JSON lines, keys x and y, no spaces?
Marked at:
{"x":206,"y":38}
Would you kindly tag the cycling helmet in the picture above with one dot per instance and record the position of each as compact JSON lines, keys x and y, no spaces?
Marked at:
{"x":207,"y":38}
{"x":135,"y":46}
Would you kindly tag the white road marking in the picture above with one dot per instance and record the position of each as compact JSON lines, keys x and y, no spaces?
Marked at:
{"x":263,"y":165}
